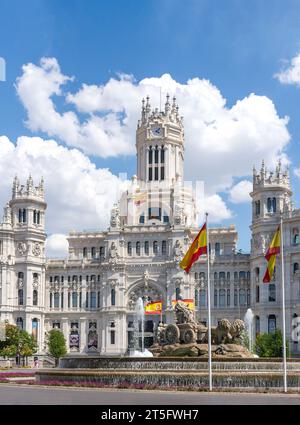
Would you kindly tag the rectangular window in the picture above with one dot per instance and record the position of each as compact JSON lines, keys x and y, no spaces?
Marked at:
{"x":150,"y":173}
{"x":156,"y":173}
{"x":112,"y":337}
{"x":93,"y":299}
{"x":162,"y":173}
{"x":69,"y":299}
{"x":80,"y":299}
{"x":154,"y":213}
{"x":62,"y":300}
{"x":272,"y":292}
{"x":102,"y":252}
{"x":98,"y":300}
{"x":50,"y":299}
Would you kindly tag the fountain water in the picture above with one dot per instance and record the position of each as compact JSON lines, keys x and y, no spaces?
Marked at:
{"x":139,"y":323}
{"x":248,"y":319}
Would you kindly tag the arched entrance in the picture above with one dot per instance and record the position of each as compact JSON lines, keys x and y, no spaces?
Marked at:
{"x":148,"y":292}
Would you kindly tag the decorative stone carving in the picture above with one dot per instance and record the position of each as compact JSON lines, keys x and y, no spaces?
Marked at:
{"x":113,"y":252}
{"x":36,"y":249}
{"x":178,"y":252}
{"x":22,"y":248}
{"x":115,"y":217}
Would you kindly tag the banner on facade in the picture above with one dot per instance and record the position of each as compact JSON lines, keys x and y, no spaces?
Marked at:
{"x":154,"y":307}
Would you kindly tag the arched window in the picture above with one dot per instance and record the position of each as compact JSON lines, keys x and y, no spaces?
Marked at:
{"x":21,"y":276}
{"x":296,"y":239}
{"x":228,"y":275}
{"x":93,"y":252}
{"x":35,"y":297}
{"x":56,"y":300}
{"x":155,"y":247}
{"x":177,"y":294}
{"x":235,"y":297}
{"x":34,"y":217}
{"x":272,"y":292}
{"x":222,"y":275}
{"x":257,"y":208}
{"x":257,"y":293}
{"x":271,"y":323}
{"x":248,"y":297}
{"x":150,"y":155}
{"x":242,"y":275}
{"x":196,"y":297}
{"x":19,"y":323}
{"x":138,"y":248}
{"x":84,"y":252}
{"x":196,"y":276}
{"x":20,"y":297}
{"x":102,"y":252}
{"x":269,"y":205}
{"x":274,"y":207}
{"x":216,"y":298}
{"x":257,"y":325}
{"x":156,"y":155}
{"x":203,"y":297}
{"x":296,"y":267}
{"x":256,"y":271}
{"x":242,"y":297}
{"x":215,"y":275}
{"x":74,"y":299}
{"x":222,"y":298}
{"x":113,"y":296}
{"x":38,"y":217}
{"x":129,"y":248}
{"x":235,"y":275}
{"x":217,"y":248}
{"x":164,"y":247}
{"x":20,"y":215}
{"x":146,"y":247}
{"x":202,"y":275}
{"x":162,"y":155}
{"x":93,"y":296}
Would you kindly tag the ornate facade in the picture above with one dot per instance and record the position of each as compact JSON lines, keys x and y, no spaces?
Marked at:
{"x":91,"y":295}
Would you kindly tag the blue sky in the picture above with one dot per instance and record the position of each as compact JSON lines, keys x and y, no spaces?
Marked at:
{"x":237,"y":45}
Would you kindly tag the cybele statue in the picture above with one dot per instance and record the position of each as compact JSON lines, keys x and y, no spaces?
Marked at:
{"x":186,"y":337}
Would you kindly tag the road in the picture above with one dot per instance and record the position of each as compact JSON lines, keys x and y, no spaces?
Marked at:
{"x":23,"y":394}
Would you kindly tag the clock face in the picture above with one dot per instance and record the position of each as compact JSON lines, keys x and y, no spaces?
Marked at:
{"x":156,"y":131}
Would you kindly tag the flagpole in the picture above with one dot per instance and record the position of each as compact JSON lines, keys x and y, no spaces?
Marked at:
{"x":283,"y":307}
{"x":208,"y":307}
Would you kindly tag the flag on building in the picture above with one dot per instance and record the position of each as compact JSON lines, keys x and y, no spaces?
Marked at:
{"x":154,"y":307}
{"x":270,"y":256}
{"x":198,"y":247}
{"x":188,"y":302}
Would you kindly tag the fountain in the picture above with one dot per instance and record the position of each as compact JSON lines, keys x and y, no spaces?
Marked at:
{"x":248,"y":319}
{"x":139,"y":323}
{"x":180,"y":360}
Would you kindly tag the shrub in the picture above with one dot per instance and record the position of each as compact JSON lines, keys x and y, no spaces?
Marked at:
{"x":270,"y":344}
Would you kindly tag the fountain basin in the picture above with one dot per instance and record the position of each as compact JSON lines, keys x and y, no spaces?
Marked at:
{"x":174,"y":372}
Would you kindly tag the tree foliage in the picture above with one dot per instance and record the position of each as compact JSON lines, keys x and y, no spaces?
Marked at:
{"x":270,"y":344}
{"x":56,"y":344}
{"x":17,"y":342}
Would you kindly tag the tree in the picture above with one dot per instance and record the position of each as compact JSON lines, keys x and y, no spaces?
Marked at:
{"x":56,"y":344}
{"x":270,"y":344}
{"x":17,"y":343}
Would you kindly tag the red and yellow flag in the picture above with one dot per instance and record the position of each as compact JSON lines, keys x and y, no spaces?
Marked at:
{"x":198,"y":247}
{"x":154,"y":307}
{"x":188,"y":302}
{"x":270,"y":256}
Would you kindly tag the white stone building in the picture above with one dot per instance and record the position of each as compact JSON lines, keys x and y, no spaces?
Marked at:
{"x":91,"y":296}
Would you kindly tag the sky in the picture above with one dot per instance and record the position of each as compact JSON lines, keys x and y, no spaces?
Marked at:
{"x":76,"y":72}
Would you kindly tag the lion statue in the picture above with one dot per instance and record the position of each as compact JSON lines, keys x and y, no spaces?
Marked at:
{"x":236,"y":330}
{"x":221,"y":334}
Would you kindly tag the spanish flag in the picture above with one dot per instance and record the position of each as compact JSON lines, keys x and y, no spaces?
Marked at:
{"x":154,"y":307}
{"x":188,"y":302}
{"x":270,"y":256}
{"x":198,"y":247}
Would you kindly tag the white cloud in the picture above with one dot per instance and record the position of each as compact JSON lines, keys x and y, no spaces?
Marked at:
{"x":57,"y":246}
{"x":215,"y":207}
{"x":239,"y":193}
{"x":291,"y":73}
{"x":297,"y":172}
{"x":79,"y":195}
{"x":221,"y":142}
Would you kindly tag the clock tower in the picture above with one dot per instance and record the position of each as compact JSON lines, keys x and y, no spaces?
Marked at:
{"x":160,"y":143}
